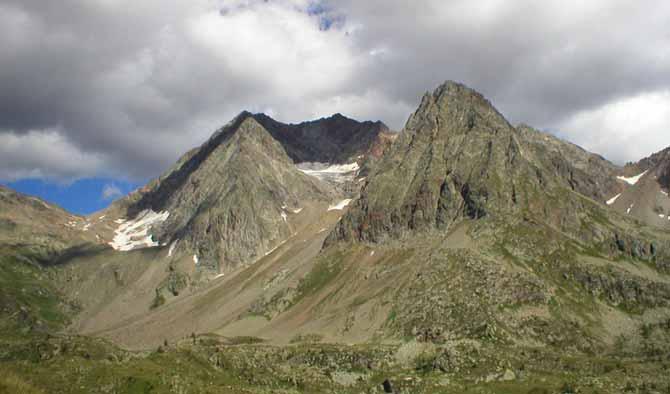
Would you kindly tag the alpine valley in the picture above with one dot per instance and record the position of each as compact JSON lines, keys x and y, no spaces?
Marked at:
{"x":460,"y":255}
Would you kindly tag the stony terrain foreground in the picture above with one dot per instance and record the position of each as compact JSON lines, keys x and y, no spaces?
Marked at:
{"x":462,"y":255}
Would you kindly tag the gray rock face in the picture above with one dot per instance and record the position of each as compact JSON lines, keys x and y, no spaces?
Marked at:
{"x":336,"y":139}
{"x":657,"y":161}
{"x":658,"y":165}
{"x":584,"y":172}
{"x":645,"y":186}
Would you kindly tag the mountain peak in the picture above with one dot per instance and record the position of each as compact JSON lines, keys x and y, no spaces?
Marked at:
{"x":454,"y":88}
{"x":458,"y":105}
{"x":243,"y":114}
{"x":450,"y":91}
{"x":458,"y":158}
{"x":244,"y":177}
{"x":225,"y":203}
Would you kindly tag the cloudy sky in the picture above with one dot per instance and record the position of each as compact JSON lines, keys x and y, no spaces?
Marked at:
{"x":118,"y":89}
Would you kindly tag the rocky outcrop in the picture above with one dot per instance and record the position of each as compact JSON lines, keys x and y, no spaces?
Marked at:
{"x":621,"y":289}
{"x":641,"y":247}
{"x":336,"y":139}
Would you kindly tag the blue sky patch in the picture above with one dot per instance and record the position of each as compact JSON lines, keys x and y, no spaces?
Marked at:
{"x":81,"y":197}
{"x":327,"y":18}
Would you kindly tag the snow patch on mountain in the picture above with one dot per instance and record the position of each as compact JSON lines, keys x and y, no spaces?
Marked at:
{"x":172,"y":248}
{"x":340,"y":205}
{"x":632,"y":180}
{"x":613,"y":199}
{"x":71,"y":224}
{"x":338,"y":173}
{"x":134,"y":233}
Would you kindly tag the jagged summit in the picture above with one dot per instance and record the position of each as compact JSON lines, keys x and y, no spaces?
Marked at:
{"x":335,"y":139}
{"x":459,"y":158}
{"x":658,"y":164}
{"x":460,"y":101}
{"x":456,"y":158}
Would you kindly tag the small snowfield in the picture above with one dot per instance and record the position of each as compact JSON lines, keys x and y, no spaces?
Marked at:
{"x":632,"y":180}
{"x":340,"y":205}
{"x":134,"y":234}
{"x":336,"y":173}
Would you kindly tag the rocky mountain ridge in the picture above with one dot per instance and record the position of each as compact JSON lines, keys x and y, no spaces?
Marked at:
{"x":42,"y":230}
{"x":231,"y":200}
{"x":464,"y":161}
{"x":478,"y":253}
{"x":644,"y":190}
{"x":334,"y":140}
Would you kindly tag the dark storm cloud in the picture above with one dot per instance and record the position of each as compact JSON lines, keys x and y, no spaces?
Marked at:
{"x":125,"y":87}
{"x":115,"y":80}
{"x":539,"y":61}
